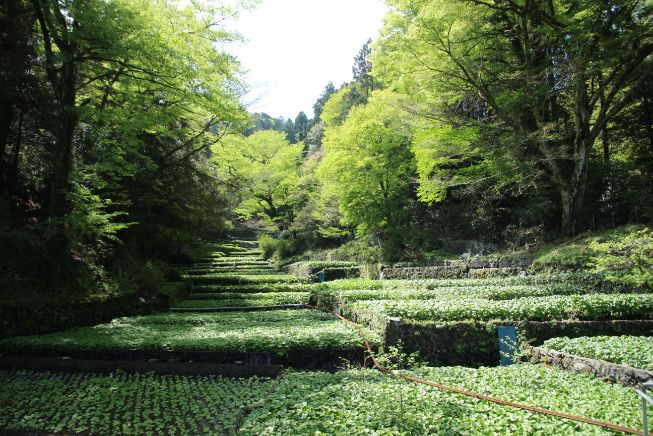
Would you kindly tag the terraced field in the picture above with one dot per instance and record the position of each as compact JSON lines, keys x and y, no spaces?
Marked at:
{"x":309,"y":403}
{"x":635,"y":351}
{"x":231,"y":276}
{"x":243,"y":311}
{"x":232,"y":314}
{"x":534,"y":298}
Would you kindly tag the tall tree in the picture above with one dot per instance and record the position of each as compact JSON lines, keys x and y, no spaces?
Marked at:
{"x":550,"y":74}
{"x":262,"y":170}
{"x":289,"y":128}
{"x":322,"y":99}
{"x":131,"y":95}
{"x":362,"y":73}
{"x":368,"y":165}
{"x":302,"y":124}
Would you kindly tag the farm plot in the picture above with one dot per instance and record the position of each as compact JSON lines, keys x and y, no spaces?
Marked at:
{"x":119,"y":403}
{"x":635,"y":351}
{"x":203,"y":291}
{"x":454,"y":322}
{"x":235,"y":279}
{"x":367,"y":402}
{"x":325,"y":297}
{"x":535,"y":298}
{"x":280,"y":332}
{"x":588,"y":281}
{"x":557,"y":307}
{"x":236,"y":299}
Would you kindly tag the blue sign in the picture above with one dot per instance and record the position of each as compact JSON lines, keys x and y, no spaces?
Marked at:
{"x":508,"y":345}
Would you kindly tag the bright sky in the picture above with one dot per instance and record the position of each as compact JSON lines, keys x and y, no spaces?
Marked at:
{"x":295,"y":47}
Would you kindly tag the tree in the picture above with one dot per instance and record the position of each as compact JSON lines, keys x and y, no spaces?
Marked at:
{"x":337,"y":108}
{"x":112,"y":109}
{"x":369,"y":167}
{"x":322,"y":99}
{"x":262,"y":170}
{"x":289,"y":128}
{"x":363,"y":82}
{"x":552,"y":74}
{"x":301,"y":126}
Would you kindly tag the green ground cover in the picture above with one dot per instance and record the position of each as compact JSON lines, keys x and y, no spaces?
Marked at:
{"x":557,"y":307}
{"x":234,"y":279}
{"x":236,"y":261}
{"x":586,"y":280}
{"x":279,"y":331}
{"x":253,"y":288}
{"x":311,"y":403}
{"x":367,"y":402}
{"x":230,"y":299}
{"x":119,"y":403}
{"x":326,"y":298}
{"x":636,"y":351}
{"x":236,"y":269}
{"x":193,"y":274}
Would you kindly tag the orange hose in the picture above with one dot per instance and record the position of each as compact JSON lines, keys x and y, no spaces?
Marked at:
{"x":534,"y":409}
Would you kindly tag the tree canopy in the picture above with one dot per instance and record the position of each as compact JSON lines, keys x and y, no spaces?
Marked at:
{"x":123,"y":133}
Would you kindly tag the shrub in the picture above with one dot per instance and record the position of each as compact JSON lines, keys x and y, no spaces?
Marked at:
{"x":629,"y":258}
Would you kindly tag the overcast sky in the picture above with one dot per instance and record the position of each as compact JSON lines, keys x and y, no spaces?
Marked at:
{"x":295,"y":47}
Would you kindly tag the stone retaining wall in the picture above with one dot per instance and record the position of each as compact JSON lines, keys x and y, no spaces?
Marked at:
{"x":458,"y":269}
{"x":623,"y":374}
{"x":305,"y":269}
{"x":474,"y":343}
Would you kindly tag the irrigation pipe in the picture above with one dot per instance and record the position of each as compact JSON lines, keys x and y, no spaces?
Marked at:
{"x":534,"y":409}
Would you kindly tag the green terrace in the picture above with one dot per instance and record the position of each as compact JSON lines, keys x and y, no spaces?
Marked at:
{"x":280,"y":332}
{"x":367,"y":402}
{"x":120,"y":403}
{"x":234,"y":279}
{"x":232,"y":299}
{"x":557,"y":307}
{"x":251,"y":288}
{"x":346,"y":402}
{"x":635,"y":351}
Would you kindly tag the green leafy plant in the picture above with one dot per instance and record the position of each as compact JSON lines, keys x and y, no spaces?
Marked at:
{"x":247,"y":299}
{"x":629,"y":258}
{"x":636,"y":351}
{"x":583,"y":307}
{"x":120,"y":403}
{"x":365,"y":402}
{"x":278,"y":331}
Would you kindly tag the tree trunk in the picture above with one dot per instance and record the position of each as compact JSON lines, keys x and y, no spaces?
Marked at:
{"x":6,"y":116}
{"x":14,"y":57}
{"x":574,"y":195}
{"x":12,"y":172}
{"x":62,"y":156}
{"x":605,"y":136}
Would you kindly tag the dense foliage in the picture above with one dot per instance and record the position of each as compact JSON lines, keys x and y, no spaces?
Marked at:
{"x":557,"y":307}
{"x":120,"y":403}
{"x":636,"y":351}
{"x":367,"y":402}
{"x":477,"y":125}
{"x":109,"y":112}
{"x":278,"y":331}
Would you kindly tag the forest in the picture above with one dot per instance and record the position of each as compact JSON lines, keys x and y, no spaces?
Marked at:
{"x":457,"y":240}
{"x":467,"y":126}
